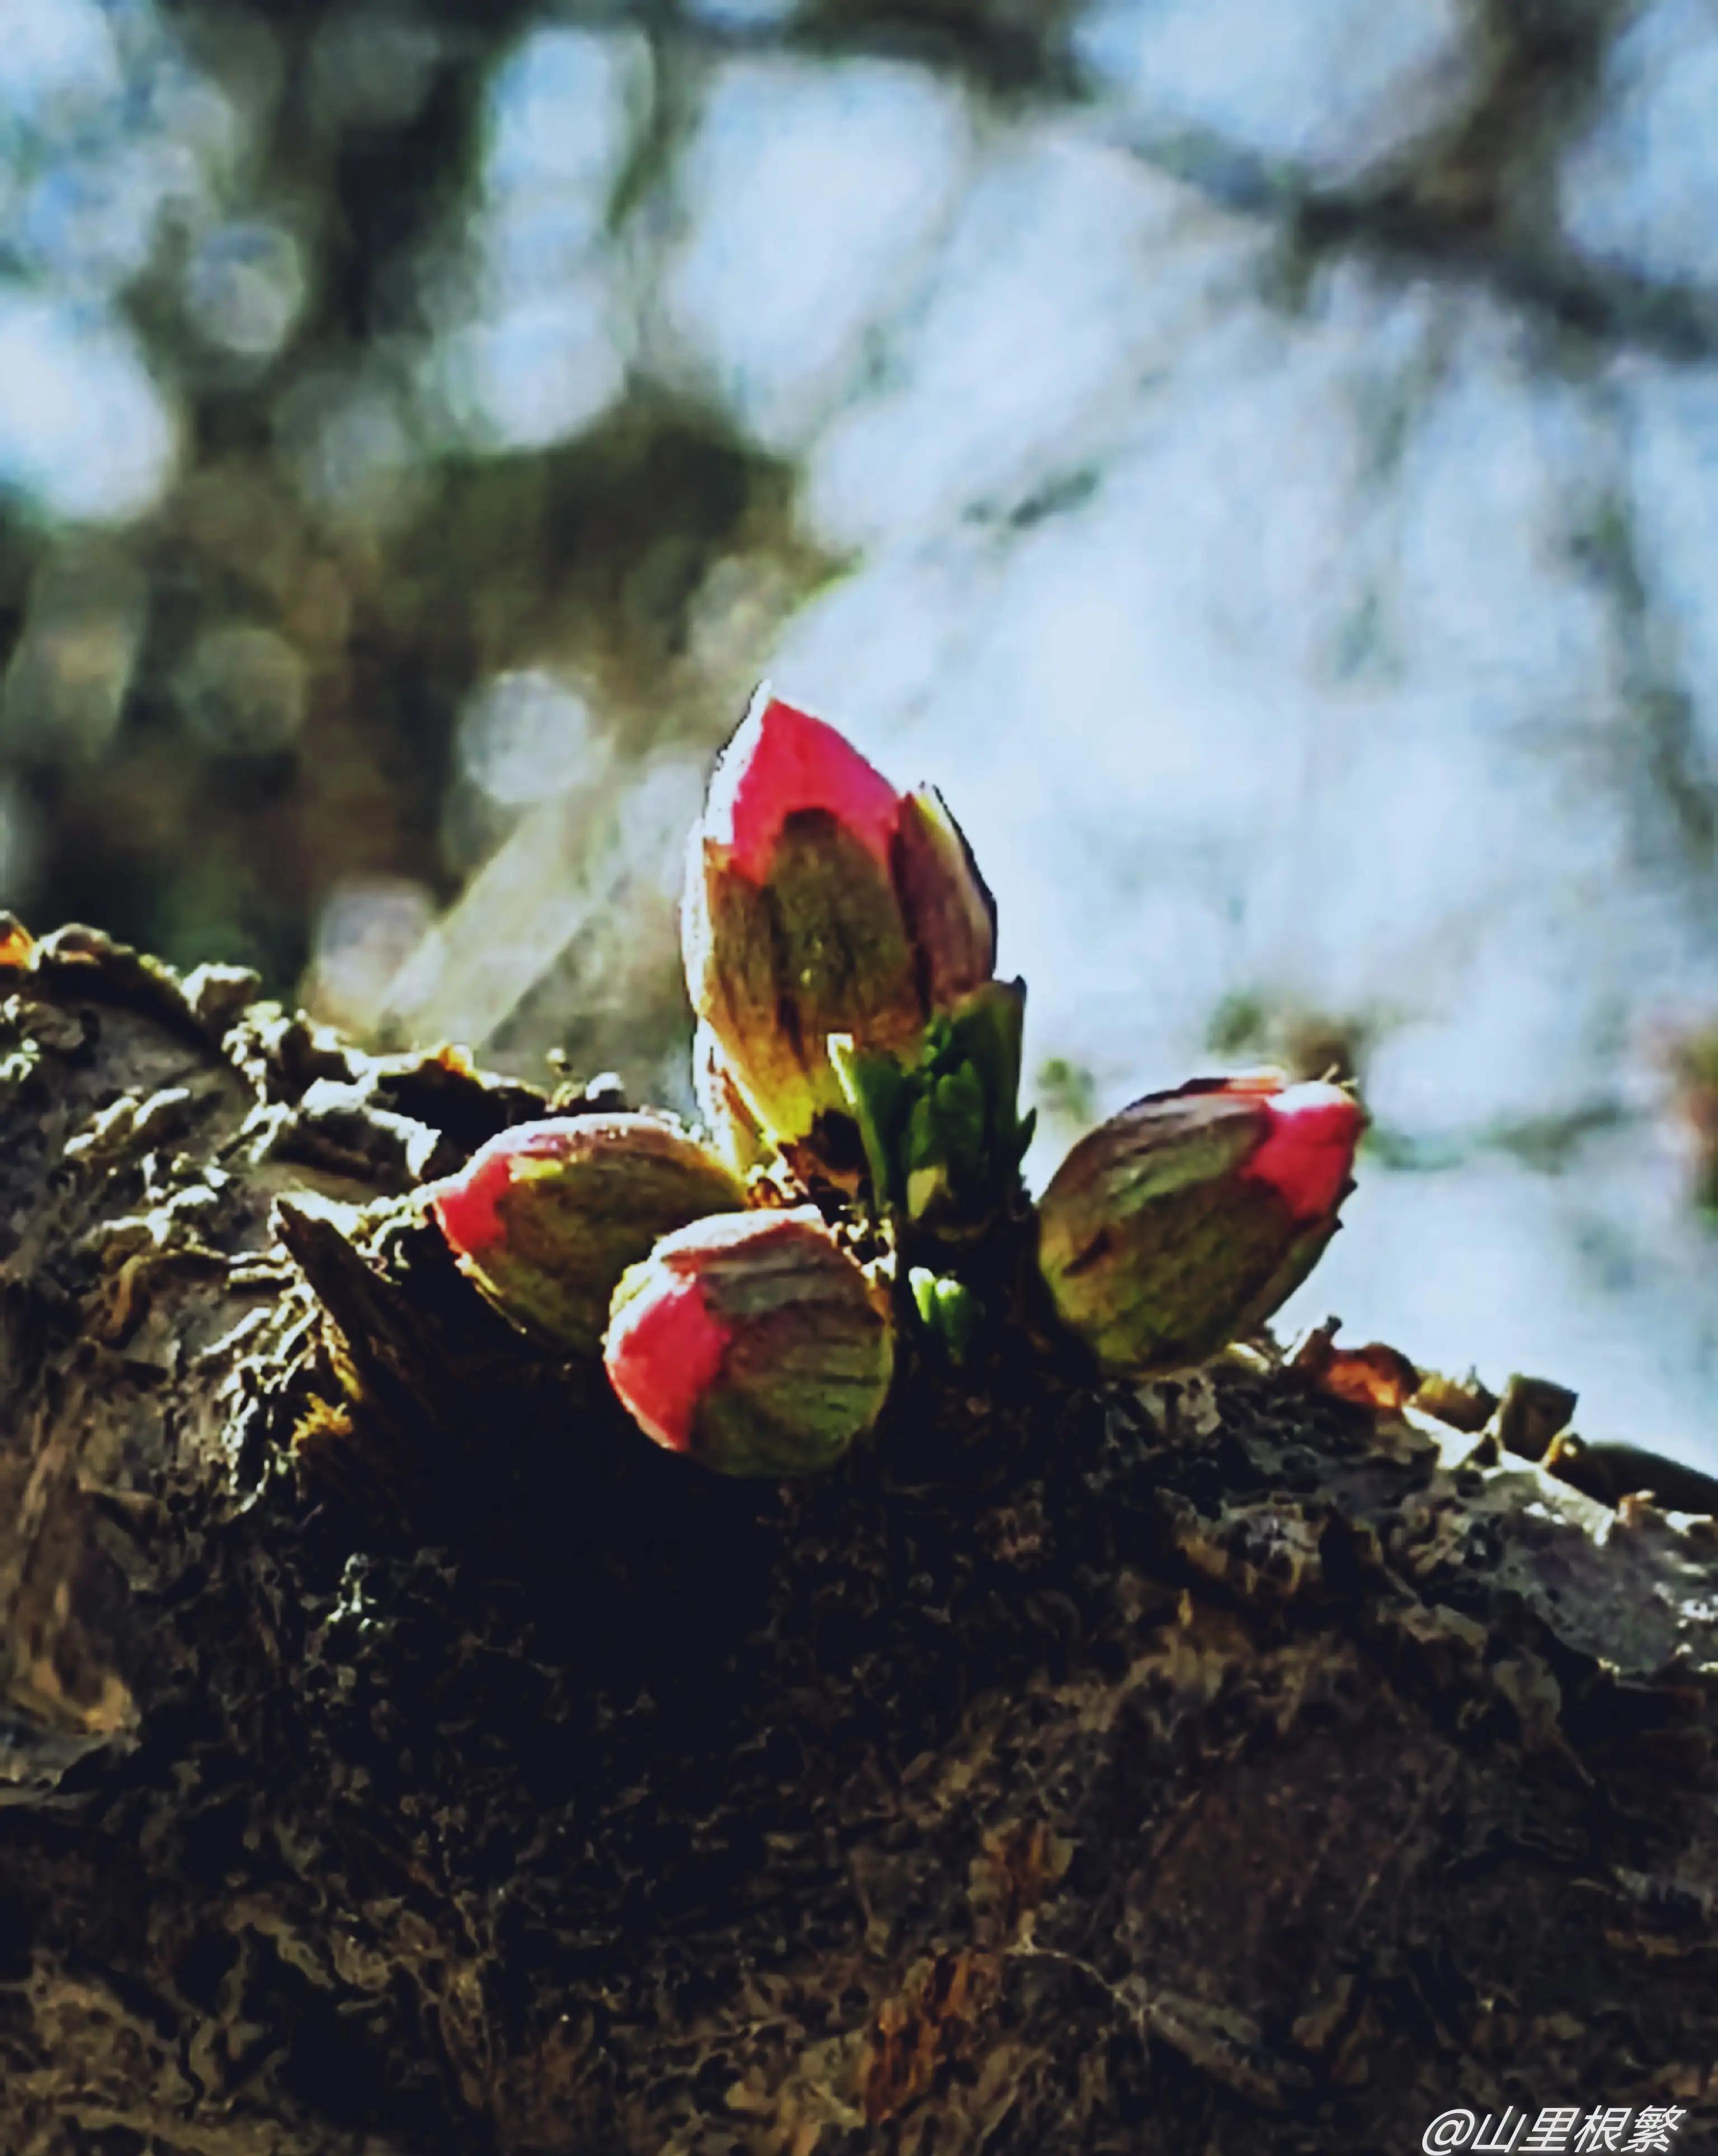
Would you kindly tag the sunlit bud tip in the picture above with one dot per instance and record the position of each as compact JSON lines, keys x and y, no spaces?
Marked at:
{"x":780,"y":762}
{"x":1307,"y":1153}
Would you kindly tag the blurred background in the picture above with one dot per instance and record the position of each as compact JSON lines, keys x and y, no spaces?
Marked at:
{"x":1258,"y":457}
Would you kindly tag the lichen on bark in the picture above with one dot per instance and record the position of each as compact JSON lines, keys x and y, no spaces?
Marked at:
{"x":400,"y":1754}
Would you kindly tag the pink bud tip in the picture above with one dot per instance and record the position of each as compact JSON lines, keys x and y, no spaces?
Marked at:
{"x":663,"y":1352}
{"x":782,"y":761}
{"x":1308,"y":1148}
{"x":468,"y":1206}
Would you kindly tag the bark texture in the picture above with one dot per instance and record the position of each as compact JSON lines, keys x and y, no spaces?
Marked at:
{"x":400,"y":1755}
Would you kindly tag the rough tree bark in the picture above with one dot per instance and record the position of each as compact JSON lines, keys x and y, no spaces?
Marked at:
{"x":401,"y":1755}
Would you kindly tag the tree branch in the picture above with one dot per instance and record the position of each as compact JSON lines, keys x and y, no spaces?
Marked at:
{"x":400,"y":1754}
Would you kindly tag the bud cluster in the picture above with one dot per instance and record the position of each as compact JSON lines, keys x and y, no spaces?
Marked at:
{"x":841,"y":950}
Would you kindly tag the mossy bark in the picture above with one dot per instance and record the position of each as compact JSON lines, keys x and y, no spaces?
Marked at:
{"x":400,"y":1755}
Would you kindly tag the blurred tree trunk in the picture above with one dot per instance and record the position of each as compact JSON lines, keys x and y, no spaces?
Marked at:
{"x":399,"y":1755}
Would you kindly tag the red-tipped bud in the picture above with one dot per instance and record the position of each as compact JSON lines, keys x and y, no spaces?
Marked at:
{"x":820,"y":900}
{"x":753,"y":1344}
{"x":546,"y":1217}
{"x":782,"y":764}
{"x":1307,"y":1153}
{"x":1186,"y":1220}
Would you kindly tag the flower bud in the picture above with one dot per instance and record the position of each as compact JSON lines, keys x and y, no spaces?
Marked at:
{"x":1184,"y":1221}
{"x":819,"y":901}
{"x":546,"y":1217}
{"x":754,"y":1344}
{"x":947,"y":903}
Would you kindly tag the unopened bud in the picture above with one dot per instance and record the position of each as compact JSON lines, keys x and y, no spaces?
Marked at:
{"x":1183,"y":1222}
{"x":753,"y":1344}
{"x":820,"y":900}
{"x":546,"y":1217}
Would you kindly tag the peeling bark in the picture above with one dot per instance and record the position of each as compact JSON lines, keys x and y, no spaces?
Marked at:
{"x":399,"y":1755}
